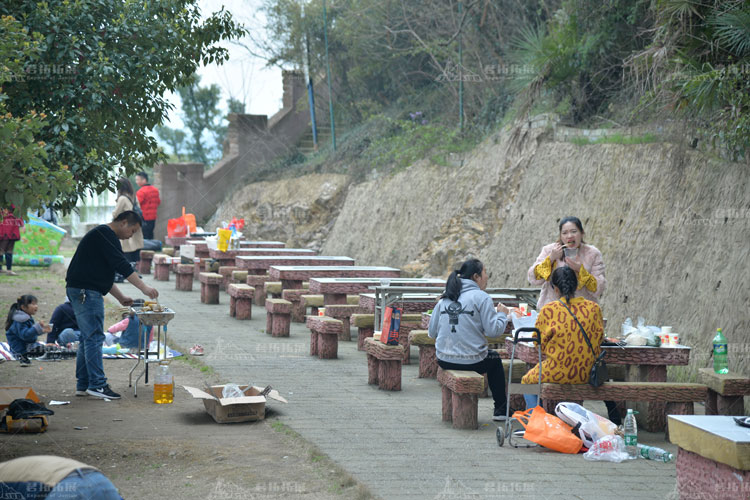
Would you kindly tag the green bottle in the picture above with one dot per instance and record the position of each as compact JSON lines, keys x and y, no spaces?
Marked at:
{"x":720,"y":352}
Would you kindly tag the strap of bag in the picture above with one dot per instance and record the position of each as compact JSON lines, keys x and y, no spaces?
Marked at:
{"x":586,"y":337}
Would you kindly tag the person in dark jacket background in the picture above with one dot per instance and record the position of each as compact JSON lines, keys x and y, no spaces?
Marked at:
{"x":64,"y":325}
{"x":148,"y":197}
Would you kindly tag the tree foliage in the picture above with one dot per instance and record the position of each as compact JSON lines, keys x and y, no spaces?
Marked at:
{"x":28,"y":179}
{"x":100,"y":75}
{"x":388,"y":51}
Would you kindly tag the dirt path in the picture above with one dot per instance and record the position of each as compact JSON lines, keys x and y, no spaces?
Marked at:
{"x":158,"y":451}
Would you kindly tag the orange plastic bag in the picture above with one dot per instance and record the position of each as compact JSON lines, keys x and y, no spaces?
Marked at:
{"x":189,"y":221}
{"x":176,"y":228}
{"x":548,"y":430}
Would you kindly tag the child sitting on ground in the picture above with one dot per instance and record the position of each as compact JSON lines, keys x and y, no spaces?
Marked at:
{"x":21,"y":330}
{"x":128,"y":339}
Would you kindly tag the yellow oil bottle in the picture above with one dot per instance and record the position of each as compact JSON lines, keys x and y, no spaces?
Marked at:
{"x":163,"y":384}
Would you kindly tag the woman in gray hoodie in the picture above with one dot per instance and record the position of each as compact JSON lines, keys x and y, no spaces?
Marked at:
{"x":461,"y":320}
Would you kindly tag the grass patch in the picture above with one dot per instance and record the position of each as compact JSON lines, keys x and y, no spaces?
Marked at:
{"x":617,"y":139}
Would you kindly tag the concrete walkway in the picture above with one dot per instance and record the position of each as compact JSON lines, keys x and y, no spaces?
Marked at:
{"x":394,"y":442}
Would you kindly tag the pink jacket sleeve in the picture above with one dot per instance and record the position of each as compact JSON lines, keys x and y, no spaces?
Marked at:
{"x":546,"y":250}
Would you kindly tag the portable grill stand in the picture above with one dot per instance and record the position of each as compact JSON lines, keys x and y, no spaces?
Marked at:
{"x":152,"y":319}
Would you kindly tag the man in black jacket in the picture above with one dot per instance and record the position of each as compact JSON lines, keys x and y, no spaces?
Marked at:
{"x":90,"y":277}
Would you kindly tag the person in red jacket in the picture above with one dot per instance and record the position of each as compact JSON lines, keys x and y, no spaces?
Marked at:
{"x":148,"y":198}
{"x":10,"y":232}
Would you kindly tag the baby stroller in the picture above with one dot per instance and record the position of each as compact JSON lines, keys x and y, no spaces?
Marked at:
{"x":506,"y":430}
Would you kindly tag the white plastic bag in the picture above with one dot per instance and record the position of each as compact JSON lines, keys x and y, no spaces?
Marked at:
{"x":608,"y":449}
{"x":232,"y":391}
{"x":524,"y":321}
{"x":592,"y":426}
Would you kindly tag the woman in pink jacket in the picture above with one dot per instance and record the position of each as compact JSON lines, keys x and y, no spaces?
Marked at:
{"x":569,"y":250}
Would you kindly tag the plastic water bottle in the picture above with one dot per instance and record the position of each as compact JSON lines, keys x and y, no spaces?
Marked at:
{"x":720,"y":352}
{"x":163,"y":384}
{"x":654,"y":453}
{"x":630,"y":428}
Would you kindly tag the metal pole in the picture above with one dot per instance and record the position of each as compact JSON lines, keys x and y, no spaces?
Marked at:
{"x":310,"y":88}
{"x":328,"y":70}
{"x":460,"y":68}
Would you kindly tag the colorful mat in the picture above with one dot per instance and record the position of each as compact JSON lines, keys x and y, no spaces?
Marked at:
{"x":8,"y":356}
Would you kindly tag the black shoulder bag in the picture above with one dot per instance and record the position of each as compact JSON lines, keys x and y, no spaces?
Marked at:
{"x":598,"y":373}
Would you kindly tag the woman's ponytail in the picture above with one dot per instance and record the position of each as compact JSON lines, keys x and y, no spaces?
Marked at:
{"x":453,"y":287}
{"x":467,"y":271}
{"x":565,"y":279}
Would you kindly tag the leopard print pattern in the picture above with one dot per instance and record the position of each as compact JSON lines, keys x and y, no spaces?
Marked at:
{"x":569,"y":359}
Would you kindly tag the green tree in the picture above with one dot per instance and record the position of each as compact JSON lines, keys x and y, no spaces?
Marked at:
{"x":100,"y":78}
{"x":202,"y":116}
{"x":175,"y":138}
{"x":28,"y":180}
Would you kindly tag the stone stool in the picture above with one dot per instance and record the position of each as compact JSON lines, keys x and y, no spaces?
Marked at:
{"x":239,"y":276}
{"x":240,"y":300}
{"x":324,"y":336}
{"x":258,"y":282}
{"x":162,"y":262}
{"x":365,"y":325}
{"x":210,"y":283}
{"x":184,"y":281}
{"x":144,"y":265}
{"x":428,"y":365}
{"x":343,"y":312}
{"x":725,"y":392}
{"x":460,"y":397}
{"x":314,"y":302}
{"x":278,"y":317}
{"x":226,"y":272}
{"x":168,"y":251}
{"x":298,"y":308}
{"x":384,"y":364}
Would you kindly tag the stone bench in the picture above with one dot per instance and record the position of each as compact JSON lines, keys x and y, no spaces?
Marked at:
{"x":239,"y":276}
{"x":314,"y":302}
{"x":240,"y":300}
{"x":162,"y":262}
{"x":428,"y":366}
{"x":258,"y":282}
{"x":365,"y":325}
{"x":384,"y":364}
{"x":144,"y":265}
{"x":461,"y":390}
{"x":278,"y":317}
{"x":210,"y":283}
{"x":679,"y":398}
{"x":712,"y":457}
{"x":725,"y":392}
{"x":184,"y":277}
{"x":272,"y":288}
{"x":324,"y":336}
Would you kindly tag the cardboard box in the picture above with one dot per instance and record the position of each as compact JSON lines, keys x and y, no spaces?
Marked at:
{"x":249,"y":408}
{"x":9,"y":394}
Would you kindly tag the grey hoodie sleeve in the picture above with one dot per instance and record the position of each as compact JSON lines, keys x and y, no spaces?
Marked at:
{"x":493,"y":322}
{"x":432,"y":328}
